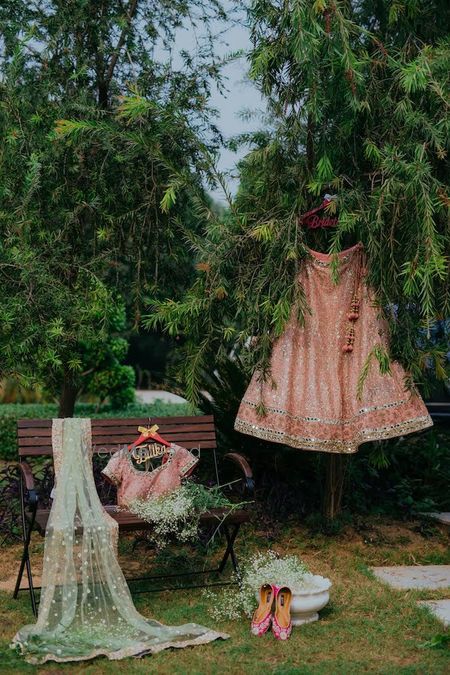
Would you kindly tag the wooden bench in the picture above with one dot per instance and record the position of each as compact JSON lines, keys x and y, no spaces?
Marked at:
{"x":108,"y":436}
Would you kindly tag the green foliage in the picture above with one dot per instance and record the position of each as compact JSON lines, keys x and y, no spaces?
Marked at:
{"x":11,"y":412}
{"x":357,"y":102}
{"x":104,"y":376}
{"x":405,"y":476}
{"x":12,"y":392}
{"x":97,"y":134}
{"x":117,"y":383}
{"x":439,"y":641}
{"x":377,"y":353}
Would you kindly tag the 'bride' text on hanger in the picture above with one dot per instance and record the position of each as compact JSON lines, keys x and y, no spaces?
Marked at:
{"x":142,"y":453}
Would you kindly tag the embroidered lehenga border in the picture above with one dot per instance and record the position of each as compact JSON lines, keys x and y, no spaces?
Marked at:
{"x":307,"y":441}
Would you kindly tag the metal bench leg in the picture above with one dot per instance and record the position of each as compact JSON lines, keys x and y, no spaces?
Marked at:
{"x":26,"y":562}
{"x":26,"y":532}
{"x":229,"y":551}
{"x":20,"y":575}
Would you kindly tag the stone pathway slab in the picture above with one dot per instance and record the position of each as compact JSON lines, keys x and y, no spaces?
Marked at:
{"x":415,"y":576}
{"x":443,"y":517}
{"x":440,"y":608}
{"x":152,"y":395}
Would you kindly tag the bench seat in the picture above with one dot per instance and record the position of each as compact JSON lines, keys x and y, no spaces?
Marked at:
{"x":128,"y":522}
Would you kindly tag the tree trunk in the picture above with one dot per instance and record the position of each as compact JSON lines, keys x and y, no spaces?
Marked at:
{"x":67,"y":398}
{"x":334,"y":485}
{"x":102,"y":94}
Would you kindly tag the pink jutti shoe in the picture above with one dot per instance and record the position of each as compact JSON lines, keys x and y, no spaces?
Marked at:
{"x":282,"y":623}
{"x":262,"y":618}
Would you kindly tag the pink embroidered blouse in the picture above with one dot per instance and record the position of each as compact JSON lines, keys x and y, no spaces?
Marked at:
{"x":135,"y":484}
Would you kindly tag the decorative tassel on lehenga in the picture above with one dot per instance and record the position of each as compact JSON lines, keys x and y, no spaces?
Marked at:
{"x":353,"y":314}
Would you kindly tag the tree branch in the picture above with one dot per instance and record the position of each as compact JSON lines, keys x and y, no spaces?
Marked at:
{"x":130,"y":14}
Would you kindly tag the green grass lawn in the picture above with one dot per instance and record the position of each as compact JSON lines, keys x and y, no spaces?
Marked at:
{"x":366,"y":627}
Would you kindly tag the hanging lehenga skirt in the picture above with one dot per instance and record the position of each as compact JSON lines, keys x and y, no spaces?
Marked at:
{"x":311,"y":398}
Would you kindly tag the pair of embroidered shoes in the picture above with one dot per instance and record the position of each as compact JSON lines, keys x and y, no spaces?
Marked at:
{"x":280,"y":619}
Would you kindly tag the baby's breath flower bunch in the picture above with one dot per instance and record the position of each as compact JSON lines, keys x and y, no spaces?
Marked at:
{"x":261,"y":568}
{"x":176,"y":515}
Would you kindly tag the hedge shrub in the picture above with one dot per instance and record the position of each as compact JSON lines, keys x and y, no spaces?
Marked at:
{"x":11,"y":412}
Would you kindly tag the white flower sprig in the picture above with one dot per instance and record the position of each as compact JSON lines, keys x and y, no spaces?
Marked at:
{"x":176,"y":515}
{"x":261,"y":568}
{"x":172,"y":515}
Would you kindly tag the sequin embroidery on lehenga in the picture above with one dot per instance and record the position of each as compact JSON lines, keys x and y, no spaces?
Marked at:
{"x":310,"y":399}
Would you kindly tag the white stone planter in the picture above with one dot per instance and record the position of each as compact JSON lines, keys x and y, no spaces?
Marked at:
{"x":306,"y":603}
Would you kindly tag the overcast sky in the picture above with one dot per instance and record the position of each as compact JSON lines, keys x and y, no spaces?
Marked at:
{"x":241,"y":94}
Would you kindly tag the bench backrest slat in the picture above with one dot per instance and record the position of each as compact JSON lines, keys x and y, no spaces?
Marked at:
{"x":108,"y":435}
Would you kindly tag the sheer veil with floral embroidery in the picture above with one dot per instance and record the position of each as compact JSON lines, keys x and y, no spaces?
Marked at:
{"x":86,"y":609}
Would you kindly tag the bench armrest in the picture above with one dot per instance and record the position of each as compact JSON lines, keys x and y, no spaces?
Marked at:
{"x":27,"y":475}
{"x":28,"y":480}
{"x":243,"y":464}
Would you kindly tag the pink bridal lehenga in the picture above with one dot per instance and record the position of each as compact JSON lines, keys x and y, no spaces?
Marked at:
{"x":310,"y":399}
